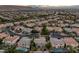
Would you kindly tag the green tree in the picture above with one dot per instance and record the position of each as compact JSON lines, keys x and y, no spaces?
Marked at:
{"x":33,"y":45}
{"x":11,"y":49}
{"x":35,"y":33}
{"x":65,"y":46}
{"x":48,"y":45}
{"x":72,"y":49}
{"x":44,"y":30}
{"x":47,"y":38}
{"x":1,"y":41}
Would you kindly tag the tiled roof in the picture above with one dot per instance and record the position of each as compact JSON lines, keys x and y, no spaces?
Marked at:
{"x":3,"y":35}
{"x":70,"y":41}
{"x":11,"y":38}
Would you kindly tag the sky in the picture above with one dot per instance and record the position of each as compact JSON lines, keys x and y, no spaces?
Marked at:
{"x":40,"y":2}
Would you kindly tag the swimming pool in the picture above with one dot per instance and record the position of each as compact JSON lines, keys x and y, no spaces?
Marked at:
{"x":59,"y":50}
{"x":22,"y":49}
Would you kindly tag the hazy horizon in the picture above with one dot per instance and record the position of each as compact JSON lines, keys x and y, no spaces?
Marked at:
{"x":40,"y":2}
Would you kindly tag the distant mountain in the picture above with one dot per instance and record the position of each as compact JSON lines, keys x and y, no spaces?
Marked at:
{"x":13,"y":7}
{"x":34,"y":7}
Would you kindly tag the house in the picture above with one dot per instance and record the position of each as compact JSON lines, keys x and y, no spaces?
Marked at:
{"x":35,"y":33}
{"x":57,"y":42}
{"x":69,"y":41}
{"x":2,"y":26}
{"x":38,"y":28}
{"x":50,"y":28}
{"x":74,"y":25}
{"x":68,"y":29}
{"x":11,"y":39}
{"x":3,"y":35}
{"x":24,"y":42}
{"x":40,"y":42}
{"x":76,"y":30}
{"x":55,"y":34}
{"x":30,"y":24}
{"x":56,"y":39}
{"x":9,"y":24}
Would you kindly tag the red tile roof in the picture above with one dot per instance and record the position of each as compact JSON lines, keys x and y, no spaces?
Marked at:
{"x":70,"y":41}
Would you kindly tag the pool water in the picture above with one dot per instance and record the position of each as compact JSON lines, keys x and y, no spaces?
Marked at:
{"x":22,"y":49}
{"x":59,"y":50}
